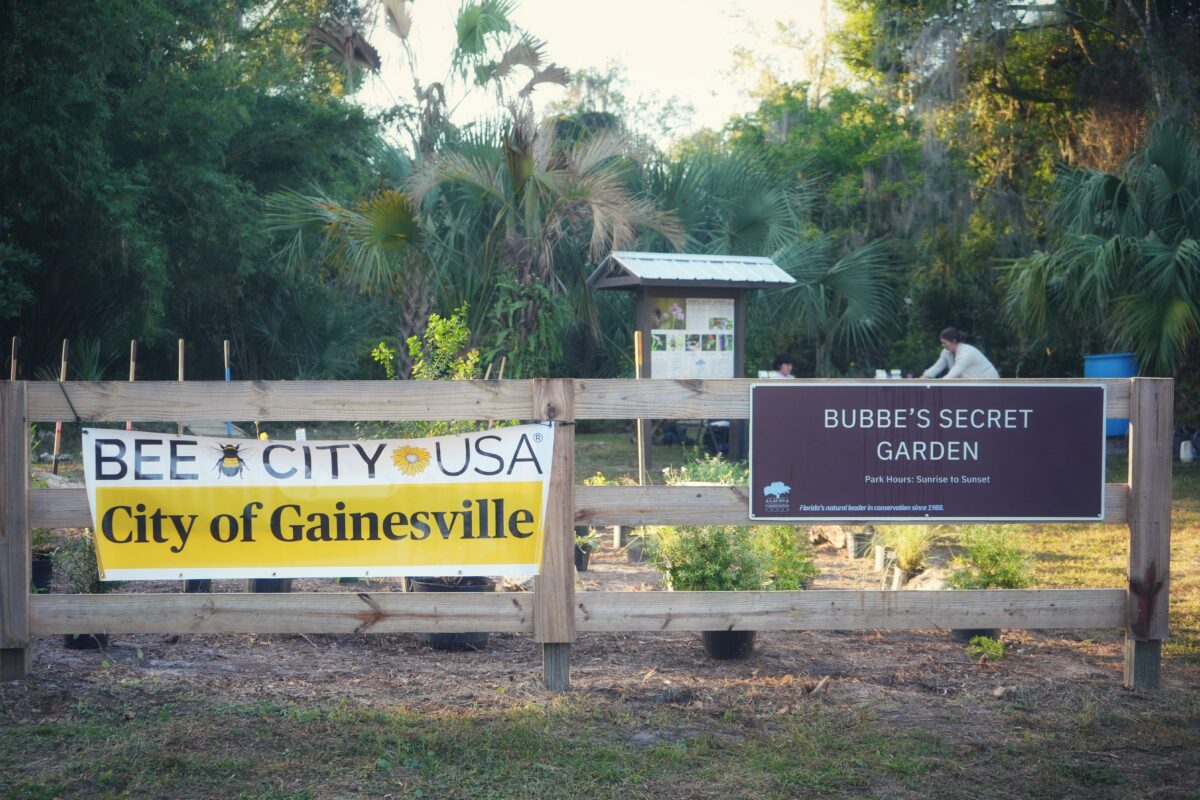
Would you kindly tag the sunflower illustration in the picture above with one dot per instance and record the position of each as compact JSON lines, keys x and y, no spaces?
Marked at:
{"x":410,"y":460}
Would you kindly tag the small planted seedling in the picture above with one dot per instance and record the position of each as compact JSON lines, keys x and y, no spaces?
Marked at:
{"x":985,"y":647}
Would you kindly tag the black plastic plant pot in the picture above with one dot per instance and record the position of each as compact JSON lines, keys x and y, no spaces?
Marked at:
{"x":635,"y":550}
{"x":453,"y":641}
{"x":85,"y":641}
{"x":582,"y":557}
{"x":270,"y":585}
{"x":43,"y":572}
{"x":197,"y":586}
{"x":728,"y":645}
{"x":965,"y":635}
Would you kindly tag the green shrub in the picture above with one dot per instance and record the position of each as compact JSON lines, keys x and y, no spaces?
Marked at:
{"x":791,"y":557}
{"x":724,"y":558}
{"x":75,"y":561}
{"x":440,"y":353}
{"x":990,"y":561}
{"x":718,"y":558}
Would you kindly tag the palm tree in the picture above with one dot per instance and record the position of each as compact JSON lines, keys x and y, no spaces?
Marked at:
{"x":848,"y":302}
{"x":376,"y":247}
{"x":1124,"y":255}
{"x":740,"y":203}
{"x":538,"y":203}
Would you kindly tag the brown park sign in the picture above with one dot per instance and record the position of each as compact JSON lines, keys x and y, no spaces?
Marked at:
{"x":908,"y":450}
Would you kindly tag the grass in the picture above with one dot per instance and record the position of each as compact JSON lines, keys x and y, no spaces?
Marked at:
{"x":614,"y":453}
{"x":157,"y":738}
{"x":1097,"y":556}
{"x":142,"y":743}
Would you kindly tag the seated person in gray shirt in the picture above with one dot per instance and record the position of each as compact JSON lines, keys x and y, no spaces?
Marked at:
{"x":961,"y":359}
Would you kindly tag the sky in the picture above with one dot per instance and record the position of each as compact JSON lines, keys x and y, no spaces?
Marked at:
{"x":668,"y":48}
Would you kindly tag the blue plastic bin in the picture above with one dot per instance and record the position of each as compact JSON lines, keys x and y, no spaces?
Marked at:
{"x":1112,"y":365}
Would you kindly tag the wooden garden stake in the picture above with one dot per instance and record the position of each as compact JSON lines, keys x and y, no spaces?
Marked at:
{"x":179,"y":425}
{"x":132,"y":372}
{"x":12,"y":364}
{"x":641,"y":433}
{"x":228,"y":423}
{"x":62,"y":376}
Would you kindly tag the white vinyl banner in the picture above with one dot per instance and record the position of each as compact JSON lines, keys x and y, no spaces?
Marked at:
{"x":167,"y":507}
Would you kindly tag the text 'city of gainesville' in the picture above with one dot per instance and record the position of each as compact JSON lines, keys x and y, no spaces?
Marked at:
{"x":479,"y":519}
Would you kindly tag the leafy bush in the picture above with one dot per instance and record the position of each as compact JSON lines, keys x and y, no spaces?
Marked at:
{"x":723,"y":558}
{"x":439,"y":354}
{"x":791,"y":557}
{"x":990,"y":561}
{"x":718,"y":558}
{"x":75,"y":561}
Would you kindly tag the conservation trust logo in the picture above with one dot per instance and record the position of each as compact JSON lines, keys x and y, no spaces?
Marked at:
{"x":776,"y":494}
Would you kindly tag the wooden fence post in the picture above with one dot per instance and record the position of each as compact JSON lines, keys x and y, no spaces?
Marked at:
{"x":554,"y":601}
{"x":1151,"y":419}
{"x":15,"y":654}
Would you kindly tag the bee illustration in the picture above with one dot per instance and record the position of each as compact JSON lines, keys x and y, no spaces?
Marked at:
{"x":231,"y":462}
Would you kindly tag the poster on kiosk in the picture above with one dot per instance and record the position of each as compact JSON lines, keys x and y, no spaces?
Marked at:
{"x":935,"y":451}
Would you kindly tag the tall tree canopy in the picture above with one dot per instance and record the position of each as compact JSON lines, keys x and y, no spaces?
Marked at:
{"x":137,"y":138}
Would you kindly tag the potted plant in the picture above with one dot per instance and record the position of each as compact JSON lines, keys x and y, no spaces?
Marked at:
{"x":75,"y":561}
{"x":988,"y":561}
{"x":722,"y":558}
{"x":453,"y":583}
{"x":586,"y":543}
{"x":43,"y":559}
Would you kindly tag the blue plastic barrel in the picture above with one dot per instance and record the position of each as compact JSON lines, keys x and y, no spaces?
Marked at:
{"x":1112,"y":365}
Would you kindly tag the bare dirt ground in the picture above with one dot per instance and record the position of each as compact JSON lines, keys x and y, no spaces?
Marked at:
{"x":909,"y":673}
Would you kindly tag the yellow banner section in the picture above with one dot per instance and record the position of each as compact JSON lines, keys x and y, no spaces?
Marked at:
{"x":226,"y":531}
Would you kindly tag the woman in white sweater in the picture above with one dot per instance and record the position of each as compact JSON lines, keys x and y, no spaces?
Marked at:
{"x":961,"y":359}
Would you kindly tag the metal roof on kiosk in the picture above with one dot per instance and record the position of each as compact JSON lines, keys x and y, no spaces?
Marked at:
{"x":624,"y":269}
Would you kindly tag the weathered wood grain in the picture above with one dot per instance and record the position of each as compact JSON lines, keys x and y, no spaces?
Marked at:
{"x":595,"y":612}
{"x":595,"y":506}
{"x":1151,"y":432}
{"x":553,"y":620}
{"x":15,"y":658}
{"x":726,"y":398}
{"x":839,"y":609}
{"x":312,"y":612}
{"x":217,"y":401}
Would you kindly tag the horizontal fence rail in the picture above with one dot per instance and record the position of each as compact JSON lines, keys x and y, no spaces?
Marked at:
{"x":284,"y":401}
{"x":554,"y":613}
{"x":595,"y":506}
{"x":842,"y":609}
{"x":728,"y":505}
{"x":595,"y":612}
{"x":279,"y":401}
{"x":299,"y":612}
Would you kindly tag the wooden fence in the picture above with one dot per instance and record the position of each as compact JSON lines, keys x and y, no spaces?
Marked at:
{"x":554,"y":613}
